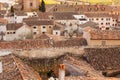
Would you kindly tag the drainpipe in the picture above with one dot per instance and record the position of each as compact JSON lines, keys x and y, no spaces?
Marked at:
{"x":61,"y":72}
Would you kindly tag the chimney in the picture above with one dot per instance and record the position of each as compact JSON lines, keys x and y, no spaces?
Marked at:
{"x":61,"y":72}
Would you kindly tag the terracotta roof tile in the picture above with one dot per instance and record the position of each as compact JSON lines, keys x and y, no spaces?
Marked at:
{"x":39,"y":22}
{"x":105,"y":34}
{"x":15,"y":69}
{"x":13,"y":26}
{"x":64,"y":15}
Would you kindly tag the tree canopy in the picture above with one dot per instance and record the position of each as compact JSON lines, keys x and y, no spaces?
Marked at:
{"x":42,"y":6}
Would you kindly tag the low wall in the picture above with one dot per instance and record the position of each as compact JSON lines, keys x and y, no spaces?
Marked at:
{"x":103,"y":58}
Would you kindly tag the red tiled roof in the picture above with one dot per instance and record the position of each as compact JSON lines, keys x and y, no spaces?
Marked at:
{"x":105,"y":34}
{"x":39,"y":22}
{"x":13,"y":26}
{"x":15,"y":69}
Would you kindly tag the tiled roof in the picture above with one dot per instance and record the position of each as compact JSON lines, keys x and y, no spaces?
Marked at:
{"x":97,"y":15}
{"x":58,"y":26}
{"x":39,"y":22}
{"x":13,"y":26}
{"x":105,"y":34}
{"x":31,"y":19}
{"x":64,"y":15}
{"x":20,"y":13}
{"x":89,"y":24}
{"x":15,"y":69}
{"x":44,"y":15}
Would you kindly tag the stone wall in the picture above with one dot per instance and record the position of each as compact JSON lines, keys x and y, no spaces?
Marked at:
{"x":38,"y":43}
{"x":103,"y":58}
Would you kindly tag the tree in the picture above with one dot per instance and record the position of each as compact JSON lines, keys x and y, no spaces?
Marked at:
{"x":42,"y":6}
{"x":12,"y":9}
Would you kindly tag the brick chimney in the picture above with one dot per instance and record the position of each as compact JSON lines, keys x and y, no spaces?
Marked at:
{"x":61,"y":72}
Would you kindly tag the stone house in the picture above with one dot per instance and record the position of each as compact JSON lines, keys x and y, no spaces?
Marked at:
{"x":17,"y":31}
{"x":104,"y":20}
{"x":40,"y":26}
{"x":66,"y":18}
{"x":101,"y":37}
{"x":19,"y":16}
{"x":30,"y":5}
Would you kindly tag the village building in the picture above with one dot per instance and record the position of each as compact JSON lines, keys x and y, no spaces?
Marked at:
{"x":19,"y":16}
{"x":66,"y":18}
{"x":104,"y":20}
{"x":40,"y":26}
{"x":18,"y":31}
{"x":101,"y":37}
{"x":30,"y":5}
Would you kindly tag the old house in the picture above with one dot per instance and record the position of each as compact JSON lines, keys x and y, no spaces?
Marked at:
{"x":40,"y":26}
{"x":66,"y":18}
{"x":30,"y":5}
{"x":104,"y":20}
{"x":101,"y":37}
{"x":18,"y":17}
{"x":17,"y":31}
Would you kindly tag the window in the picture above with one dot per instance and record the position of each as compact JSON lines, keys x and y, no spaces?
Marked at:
{"x":34,"y":27}
{"x":7,"y":32}
{"x":13,"y":32}
{"x":44,"y":27}
{"x":43,"y":32}
{"x":35,"y":33}
{"x":15,"y":17}
{"x":49,"y":26}
{"x":31,"y":4}
{"x":97,"y":19}
{"x":112,"y":24}
{"x":56,"y":33}
{"x":101,"y":23}
{"x":102,"y":19}
{"x":10,"y":32}
{"x":107,"y":28}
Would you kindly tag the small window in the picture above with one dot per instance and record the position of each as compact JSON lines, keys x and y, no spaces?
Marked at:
{"x":101,"y":23}
{"x":31,"y":4}
{"x":13,"y":32}
{"x":44,"y":27}
{"x":15,"y":17}
{"x":49,"y":26}
{"x":56,"y":33}
{"x":43,"y":32}
{"x":102,"y":19}
{"x":97,"y":19}
{"x":107,"y":28}
{"x":34,"y":27}
{"x":8,"y":33}
{"x":35,"y":33}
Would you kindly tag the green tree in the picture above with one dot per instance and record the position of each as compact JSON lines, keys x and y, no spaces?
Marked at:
{"x":42,"y":6}
{"x":12,"y":9}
